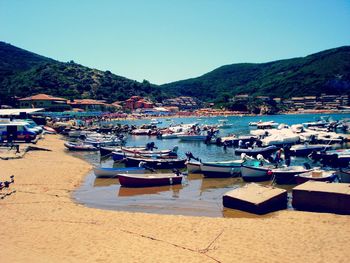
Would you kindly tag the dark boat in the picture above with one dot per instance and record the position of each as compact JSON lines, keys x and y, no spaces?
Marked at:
{"x":80,"y":147}
{"x":106,"y":150}
{"x":264,"y":151}
{"x":306,"y":149}
{"x":287,"y":175}
{"x":161,"y":163}
{"x":149,"y":180}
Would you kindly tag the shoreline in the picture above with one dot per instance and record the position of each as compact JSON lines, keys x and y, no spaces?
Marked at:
{"x":194,"y":115}
{"x":41,"y":222}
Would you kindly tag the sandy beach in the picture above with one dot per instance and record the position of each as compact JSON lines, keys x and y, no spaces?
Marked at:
{"x":41,"y":223}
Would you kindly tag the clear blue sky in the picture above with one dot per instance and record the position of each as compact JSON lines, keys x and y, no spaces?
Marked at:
{"x":169,"y":40}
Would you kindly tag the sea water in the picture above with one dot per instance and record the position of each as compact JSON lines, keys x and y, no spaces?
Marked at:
{"x":196,"y":196}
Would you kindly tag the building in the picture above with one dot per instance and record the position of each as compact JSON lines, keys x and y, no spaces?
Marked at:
{"x":137,"y":102}
{"x":244,"y":98}
{"x":45,"y":101}
{"x":89,"y":105}
{"x":182,"y":102}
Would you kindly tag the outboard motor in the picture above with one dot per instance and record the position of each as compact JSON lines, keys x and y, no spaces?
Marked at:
{"x":190,"y":156}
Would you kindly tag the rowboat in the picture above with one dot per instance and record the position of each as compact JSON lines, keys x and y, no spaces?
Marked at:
{"x":148,"y":180}
{"x":221,"y":169}
{"x":80,"y":147}
{"x":224,"y":125}
{"x":264,"y":151}
{"x":306,"y":149}
{"x":192,"y":137}
{"x":145,"y":152}
{"x":114,"y":172}
{"x":193,"y":166}
{"x":106,"y":150}
{"x":118,"y":155}
{"x":287,"y":175}
{"x":166,"y":163}
{"x":256,"y":173}
{"x":344,"y":175}
{"x":316,"y":175}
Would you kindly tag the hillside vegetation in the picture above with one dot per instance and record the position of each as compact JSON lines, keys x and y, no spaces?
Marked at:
{"x":323,"y":72}
{"x":23,"y":73}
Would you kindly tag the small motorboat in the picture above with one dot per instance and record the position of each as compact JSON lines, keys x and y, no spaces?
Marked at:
{"x":149,"y":180}
{"x":101,"y":172}
{"x":306,"y":149}
{"x":155,"y":122}
{"x":344,"y":175}
{"x":146,"y":152}
{"x":192,"y":137}
{"x":264,"y":151}
{"x":224,"y":125}
{"x":221,"y":169}
{"x":49,"y":130}
{"x":254,"y":172}
{"x":316,"y":175}
{"x":106,"y":150}
{"x":287,"y":175}
{"x":80,"y":147}
{"x":141,"y":132}
{"x":160,"y":163}
{"x":193,"y":166}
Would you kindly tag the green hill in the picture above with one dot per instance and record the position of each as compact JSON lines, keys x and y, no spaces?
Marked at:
{"x":323,"y":72}
{"x":23,"y":73}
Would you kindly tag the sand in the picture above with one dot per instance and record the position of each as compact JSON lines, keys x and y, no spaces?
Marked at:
{"x":41,"y":223}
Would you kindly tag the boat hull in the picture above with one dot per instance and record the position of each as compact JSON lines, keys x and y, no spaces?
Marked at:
{"x":193,"y":167}
{"x":136,"y":181}
{"x":256,"y":174}
{"x":101,"y":172}
{"x":265,"y":151}
{"x":217,"y":171}
{"x":156,"y":164}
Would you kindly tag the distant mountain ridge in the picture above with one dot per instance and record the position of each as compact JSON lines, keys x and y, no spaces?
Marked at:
{"x":324,"y":72}
{"x":23,"y":73}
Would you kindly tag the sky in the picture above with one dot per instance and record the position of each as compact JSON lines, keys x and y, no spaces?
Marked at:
{"x":169,"y":40}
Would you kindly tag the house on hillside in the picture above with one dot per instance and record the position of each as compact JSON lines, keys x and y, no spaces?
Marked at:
{"x":48,"y":102}
{"x":137,"y":102}
{"x":89,"y":105}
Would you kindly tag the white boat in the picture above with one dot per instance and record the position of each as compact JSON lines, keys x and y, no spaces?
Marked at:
{"x":256,"y":173}
{"x":280,"y":139}
{"x":193,"y":166}
{"x":306,"y":149}
{"x":113,"y":172}
{"x":221,"y":169}
{"x":224,"y":125}
{"x":192,"y":137}
{"x":155,"y":122}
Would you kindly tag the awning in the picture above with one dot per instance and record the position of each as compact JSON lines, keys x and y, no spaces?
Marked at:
{"x":15,"y":112}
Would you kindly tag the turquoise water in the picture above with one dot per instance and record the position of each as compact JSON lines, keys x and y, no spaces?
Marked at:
{"x":197,"y":196}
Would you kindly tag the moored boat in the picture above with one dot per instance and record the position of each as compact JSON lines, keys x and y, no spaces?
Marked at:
{"x":256,"y":173}
{"x":193,"y":166}
{"x":114,"y":172}
{"x":149,"y":180}
{"x":316,"y":175}
{"x":166,"y":163}
{"x":264,"y":151}
{"x":221,"y":169}
{"x":287,"y":175}
{"x":306,"y":149}
{"x":79,"y":147}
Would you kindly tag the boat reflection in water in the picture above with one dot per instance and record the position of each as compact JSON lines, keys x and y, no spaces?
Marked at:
{"x":174,"y":191}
